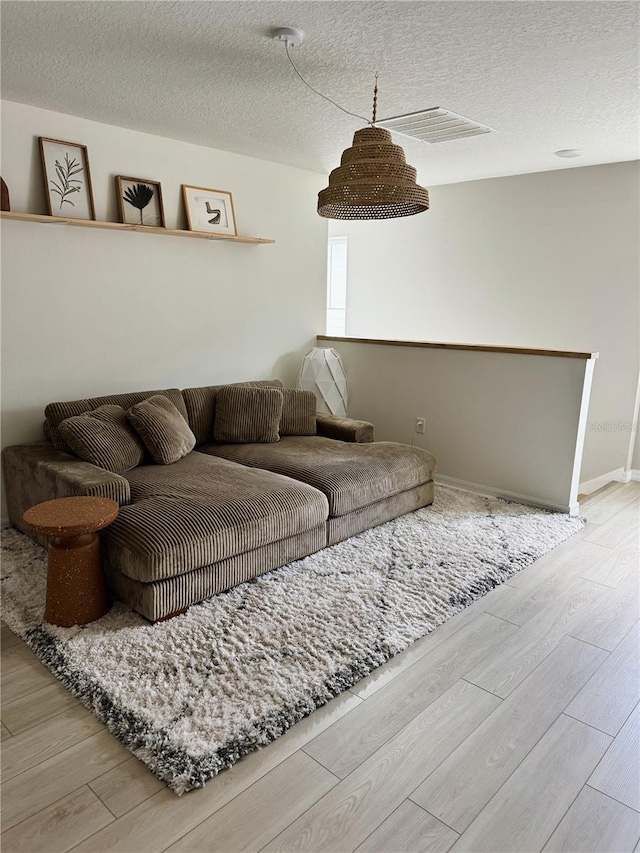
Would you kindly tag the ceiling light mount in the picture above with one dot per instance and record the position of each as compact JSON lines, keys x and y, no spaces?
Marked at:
{"x":289,"y":36}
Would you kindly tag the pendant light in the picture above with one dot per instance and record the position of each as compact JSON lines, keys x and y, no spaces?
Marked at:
{"x":373,"y":180}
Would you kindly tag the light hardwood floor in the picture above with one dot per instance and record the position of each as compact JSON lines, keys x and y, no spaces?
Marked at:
{"x":515,"y":726}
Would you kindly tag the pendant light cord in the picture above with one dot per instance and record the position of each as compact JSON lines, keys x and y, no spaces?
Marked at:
{"x":309,"y":86}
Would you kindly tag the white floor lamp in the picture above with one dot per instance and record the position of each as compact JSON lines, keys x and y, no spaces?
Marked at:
{"x":322,"y":372}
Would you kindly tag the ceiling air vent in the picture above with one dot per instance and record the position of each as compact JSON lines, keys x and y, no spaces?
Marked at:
{"x":434,"y":125}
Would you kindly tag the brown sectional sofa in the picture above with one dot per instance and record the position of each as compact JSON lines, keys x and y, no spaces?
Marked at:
{"x":224,"y":513}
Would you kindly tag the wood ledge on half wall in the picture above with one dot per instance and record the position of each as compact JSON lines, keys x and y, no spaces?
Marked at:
{"x":470,"y":347}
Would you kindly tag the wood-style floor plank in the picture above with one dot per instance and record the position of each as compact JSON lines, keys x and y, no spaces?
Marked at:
{"x":529,"y":576}
{"x":623,"y":524}
{"x":503,"y":671}
{"x":24,"y":682}
{"x":618,"y":774}
{"x":15,"y":657}
{"x":617,"y":565}
{"x":398,"y":664}
{"x":262,"y":811}
{"x":60,"y":826}
{"x":593,"y":498}
{"x":593,"y":824}
{"x":614,"y":617}
{"x":5,"y":734}
{"x":347,"y":815}
{"x":37,"y":707}
{"x":554,"y":579}
{"x":47,"y":739}
{"x":126,"y":785}
{"x":46,"y":783}
{"x":610,"y":695}
{"x":164,"y":818}
{"x":409,"y":830}
{"x":531,"y":803}
{"x":8,"y":638}
{"x":458,"y":790}
{"x":353,"y":739}
{"x":603,"y":510}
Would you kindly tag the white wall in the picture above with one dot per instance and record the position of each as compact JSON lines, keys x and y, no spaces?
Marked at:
{"x":88,"y":312}
{"x":548,"y":260}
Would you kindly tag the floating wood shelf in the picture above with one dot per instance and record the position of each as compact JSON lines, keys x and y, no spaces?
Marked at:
{"x":119,"y":226}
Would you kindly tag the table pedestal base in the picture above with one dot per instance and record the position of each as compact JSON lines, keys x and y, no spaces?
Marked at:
{"x":76,"y":589}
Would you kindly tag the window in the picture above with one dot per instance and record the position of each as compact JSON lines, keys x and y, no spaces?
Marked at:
{"x":337,"y":286}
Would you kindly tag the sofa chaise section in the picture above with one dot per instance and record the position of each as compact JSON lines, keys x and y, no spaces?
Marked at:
{"x":204,"y":525}
{"x":365,"y":483}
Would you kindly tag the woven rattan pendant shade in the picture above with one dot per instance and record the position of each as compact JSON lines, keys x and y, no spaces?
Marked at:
{"x":373,"y":181}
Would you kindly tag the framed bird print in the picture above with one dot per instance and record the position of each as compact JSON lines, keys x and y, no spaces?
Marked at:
{"x":140,"y":202}
{"x":209,"y":210}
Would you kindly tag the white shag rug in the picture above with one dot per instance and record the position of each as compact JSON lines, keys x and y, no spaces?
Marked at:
{"x":192,"y":695}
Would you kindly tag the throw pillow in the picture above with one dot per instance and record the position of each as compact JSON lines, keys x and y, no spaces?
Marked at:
{"x":298,"y":413}
{"x":163,"y":429}
{"x":104,"y":437}
{"x":247,"y":415}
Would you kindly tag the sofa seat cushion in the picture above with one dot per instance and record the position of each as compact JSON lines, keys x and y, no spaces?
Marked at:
{"x":350,"y":475}
{"x":201,"y":510}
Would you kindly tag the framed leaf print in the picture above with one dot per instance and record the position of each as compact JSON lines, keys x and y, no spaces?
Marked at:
{"x":140,"y":202}
{"x":209,"y":210}
{"x":65,"y":166}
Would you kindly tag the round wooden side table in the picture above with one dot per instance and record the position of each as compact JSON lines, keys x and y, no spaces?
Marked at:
{"x":76,"y":588}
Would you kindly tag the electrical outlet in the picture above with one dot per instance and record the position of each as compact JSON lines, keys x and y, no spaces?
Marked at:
{"x":420,"y":426}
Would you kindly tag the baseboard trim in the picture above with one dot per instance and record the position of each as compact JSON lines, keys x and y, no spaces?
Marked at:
{"x":634,"y":475}
{"x":618,"y":475}
{"x":491,"y":492}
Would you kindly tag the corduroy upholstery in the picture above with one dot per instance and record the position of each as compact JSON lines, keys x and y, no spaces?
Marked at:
{"x":341,"y":527}
{"x":298,"y":413}
{"x":350,"y":475}
{"x":105,"y":438}
{"x":205,"y":523}
{"x":201,"y":406}
{"x":344,"y":429}
{"x":162,"y":428}
{"x":201,"y":510}
{"x":55,"y":413}
{"x":161,"y":598}
{"x":35,"y":473}
{"x":247,"y":414}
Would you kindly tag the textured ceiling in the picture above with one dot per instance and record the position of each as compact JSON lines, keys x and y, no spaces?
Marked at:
{"x":545,"y":75}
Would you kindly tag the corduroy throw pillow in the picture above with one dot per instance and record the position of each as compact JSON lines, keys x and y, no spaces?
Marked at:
{"x":247,"y":415}
{"x":298,"y":413}
{"x":104,"y":437}
{"x":162,"y":428}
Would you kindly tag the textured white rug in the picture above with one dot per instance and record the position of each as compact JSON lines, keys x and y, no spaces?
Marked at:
{"x":192,"y":695}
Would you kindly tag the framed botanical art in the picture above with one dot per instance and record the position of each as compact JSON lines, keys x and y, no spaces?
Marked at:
{"x":209,"y":210}
{"x":65,"y":166}
{"x":140,"y":201}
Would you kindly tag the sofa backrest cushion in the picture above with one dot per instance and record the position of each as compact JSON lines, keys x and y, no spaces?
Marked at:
{"x":247,"y":415}
{"x":55,"y":413}
{"x":105,"y":438}
{"x":163,"y":429}
{"x":298,"y":413}
{"x":201,"y":406}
